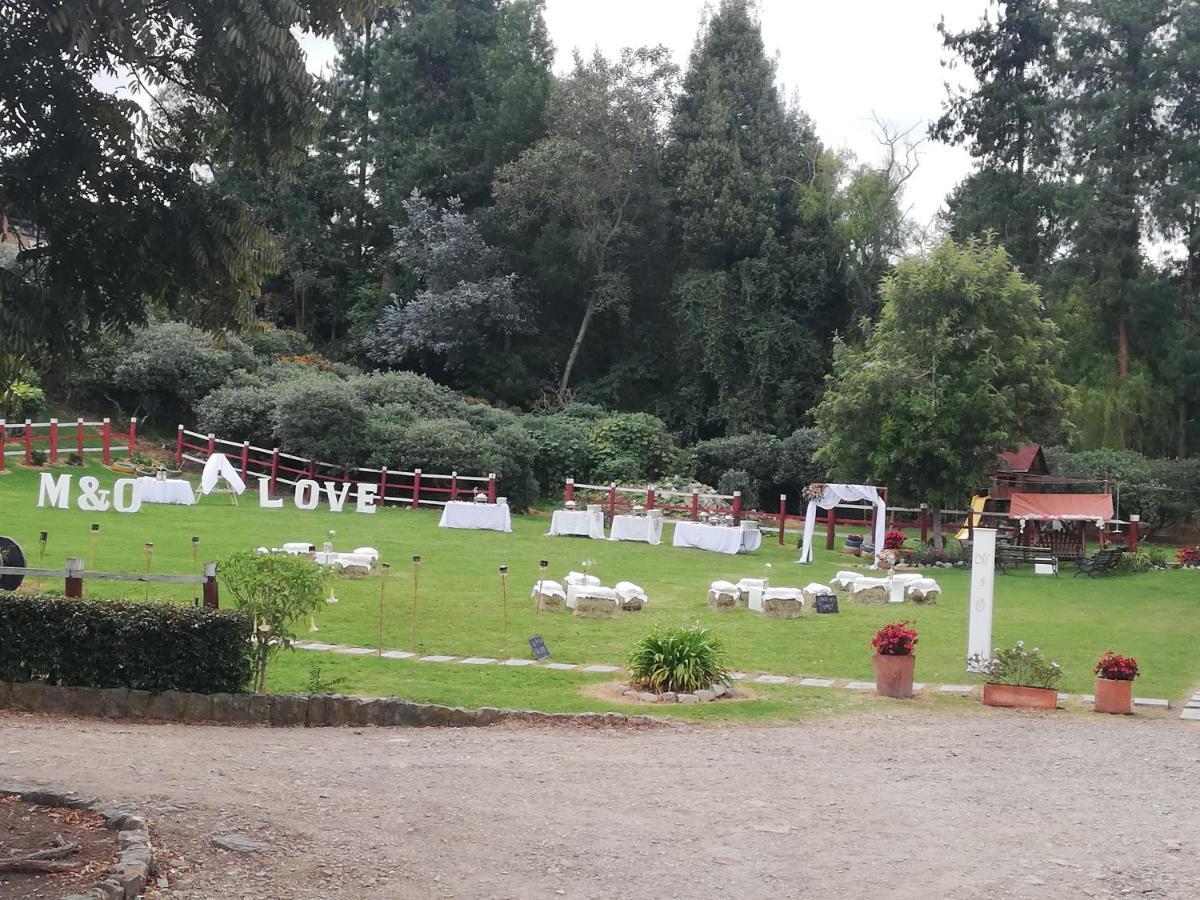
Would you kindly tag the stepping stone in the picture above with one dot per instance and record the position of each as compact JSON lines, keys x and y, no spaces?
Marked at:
{"x":737,"y":676}
{"x":1062,"y":696}
{"x":353,"y":651}
{"x":771,"y":679}
{"x":519,"y":662}
{"x":1151,"y":702}
{"x":314,"y":646}
{"x":1196,"y":697}
{"x":435,"y":659}
{"x":599,"y":668}
{"x":859,"y":685}
{"x":1192,"y":704}
{"x":1087,"y":698}
{"x":1192,"y":715}
{"x":918,"y":685}
{"x":475,"y":661}
{"x":397,"y":654}
{"x":560,"y":666}
{"x":955,"y":689}
{"x":817,"y":682}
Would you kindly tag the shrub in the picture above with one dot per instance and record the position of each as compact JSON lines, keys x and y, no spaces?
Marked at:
{"x":1134,"y":563}
{"x":561,"y":450}
{"x":636,"y":445}
{"x":796,"y":467}
{"x":317,"y":417}
{"x":239,"y":414}
{"x":275,"y":591}
{"x":739,"y":480}
{"x":114,"y":643}
{"x":896,"y":639}
{"x":1116,"y":667}
{"x":1018,"y":666}
{"x":75,"y":459}
{"x":1188,"y":557}
{"x":428,"y":398}
{"x":894,"y":540}
{"x":435,"y":445}
{"x":37,"y":457}
{"x":755,"y":454}
{"x":273,"y":342}
{"x":22,"y":399}
{"x":678,"y":659}
{"x":509,"y":452}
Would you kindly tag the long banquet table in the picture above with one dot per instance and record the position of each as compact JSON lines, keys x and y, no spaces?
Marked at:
{"x":578,"y":522}
{"x":172,"y":490}
{"x":716,"y":538}
{"x":478,"y":516}
{"x":647,"y":529}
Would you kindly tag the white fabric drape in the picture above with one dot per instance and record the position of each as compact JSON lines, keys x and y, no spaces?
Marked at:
{"x":217,"y":467}
{"x":843,"y":493}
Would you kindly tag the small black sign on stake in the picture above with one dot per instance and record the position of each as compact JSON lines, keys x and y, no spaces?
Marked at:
{"x":538,"y":646}
{"x":826,"y":603}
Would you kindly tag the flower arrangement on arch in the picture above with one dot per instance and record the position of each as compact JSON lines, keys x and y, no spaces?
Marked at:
{"x":1115,"y":667}
{"x":813,"y":491}
{"x":894,"y":540}
{"x":896,"y":639}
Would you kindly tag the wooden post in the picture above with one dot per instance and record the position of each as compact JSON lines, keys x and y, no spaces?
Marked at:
{"x":569,"y":492}
{"x":54,"y":442}
{"x":924,"y":522}
{"x":453,"y":486}
{"x":211,"y":598}
{"x":382,"y":485}
{"x":612,"y":500}
{"x":212,"y":444}
{"x":274,"y":469}
{"x":106,"y":429}
{"x":650,"y":497}
{"x":3,"y":441}
{"x":737,"y":504}
{"x":416,"y":497}
{"x":245,"y":458}
{"x":74,"y":585}
{"x":132,"y":435}
{"x":1134,"y":524}
{"x":28,"y":442}
{"x":312,"y":469}
{"x":782,"y":517}
{"x":695,"y":506}
{"x":179,"y":447}
{"x":831,"y":527}
{"x":491,"y":487}
{"x":79,"y":437}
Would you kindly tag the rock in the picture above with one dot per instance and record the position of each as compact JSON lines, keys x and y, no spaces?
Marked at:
{"x":720,"y":690}
{"x":705,"y":696}
{"x":237,"y":842}
{"x":688,"y":698}
{"x":632,"y":695}
{"x":668,"y":697}
{"x":647,"y":697}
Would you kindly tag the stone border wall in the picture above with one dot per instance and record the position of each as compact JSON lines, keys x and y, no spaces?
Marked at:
{"x":283,"y":710}
{"x":135,"y":860}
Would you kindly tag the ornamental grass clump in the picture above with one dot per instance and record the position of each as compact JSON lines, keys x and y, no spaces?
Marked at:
{"x":678,"y":659}
{"x":1019,"y":667}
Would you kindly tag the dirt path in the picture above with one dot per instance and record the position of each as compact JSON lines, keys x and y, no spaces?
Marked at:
{"x":872,"y":806}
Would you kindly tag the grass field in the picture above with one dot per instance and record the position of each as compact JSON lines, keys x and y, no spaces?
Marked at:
{"x":1154,"y":617}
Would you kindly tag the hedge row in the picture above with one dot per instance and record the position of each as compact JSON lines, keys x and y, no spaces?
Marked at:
{"x":107,"y":644}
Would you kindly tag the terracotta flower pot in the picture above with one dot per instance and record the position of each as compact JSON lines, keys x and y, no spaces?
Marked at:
{"x":894,"y":675}
{"x":1114,"y":696}
{"x":1019,"y":696}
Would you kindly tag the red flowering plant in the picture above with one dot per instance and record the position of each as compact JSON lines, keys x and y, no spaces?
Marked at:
{"x":896,"y":639}
{"x":894,"y":540}
{"x":1115,"y":667}
{"x":1188,"y":557}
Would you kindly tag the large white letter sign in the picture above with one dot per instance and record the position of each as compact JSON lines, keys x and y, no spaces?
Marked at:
{"x":308,"y":494}
{"x":983,"y":581}
{"x":336,"y":499}
{"x":134,"y":503}
{"x":265,"y":500}
{"x":365,"y":498}
{"x":55,"y":491}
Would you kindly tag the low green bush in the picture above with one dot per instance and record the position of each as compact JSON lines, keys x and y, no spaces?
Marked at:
{"x":630,"y":447}
{"x":116,"y":643}
{"x":1134,"y":563}
{"x":678,"y":659}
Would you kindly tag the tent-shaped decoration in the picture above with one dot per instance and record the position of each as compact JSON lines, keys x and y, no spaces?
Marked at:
{"x":830,"y":496}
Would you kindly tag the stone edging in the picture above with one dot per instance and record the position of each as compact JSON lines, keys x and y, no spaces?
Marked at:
{"x":284,"y":710}
{"x":135,"y":858}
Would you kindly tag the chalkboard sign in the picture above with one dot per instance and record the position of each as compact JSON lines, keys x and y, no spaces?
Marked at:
{"x":538,"y":646}
{"x":827,"y":603}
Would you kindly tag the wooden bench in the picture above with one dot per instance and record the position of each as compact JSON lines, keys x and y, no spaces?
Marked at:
{"x":1009,"y":555}
{"x":1103,"y":562}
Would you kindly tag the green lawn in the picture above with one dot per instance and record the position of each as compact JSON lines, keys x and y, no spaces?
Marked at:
{"x":1153,"y":617}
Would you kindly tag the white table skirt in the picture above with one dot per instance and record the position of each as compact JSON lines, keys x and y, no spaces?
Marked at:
{"x":480,"y":516}
{"x":172,"y":490}
{"x":647,"y":529}
{"x":582,"y":522}
{"x":717,"y":538}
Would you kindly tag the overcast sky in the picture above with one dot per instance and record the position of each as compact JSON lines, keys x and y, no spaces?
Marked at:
{"x":844,"y":60}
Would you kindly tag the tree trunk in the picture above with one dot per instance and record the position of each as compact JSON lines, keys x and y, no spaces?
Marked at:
{"x":363,"y":135}
{"x":935,"y":511}
{"x":1122,"y":344}
{"x":583,"y":327}
{"x":1181,"y":429}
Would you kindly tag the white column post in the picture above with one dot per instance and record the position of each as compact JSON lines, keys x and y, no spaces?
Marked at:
{"x":983,"y":583}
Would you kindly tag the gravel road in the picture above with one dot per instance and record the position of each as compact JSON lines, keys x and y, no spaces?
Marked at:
{"x":875,"y":805}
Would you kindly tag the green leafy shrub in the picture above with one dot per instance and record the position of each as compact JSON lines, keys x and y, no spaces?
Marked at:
{"x":114,"y":643}
{"x":75,"y":459}
{"x":239,"y":414}
{"x":22,"y":399}
{"x":316,"y":417}
{"x":739,"y":480}
{"x":1017,"y":666}
{"x":678,"y":659}
{"x":276,"y":591}
{"x":562,"y":450}
{"x":423,"y":395}
{"x":434,"y":445}
{"x":269,"y":343}
{"x":636,"y":446}
{"x":509,"y":451}
{"x":796,"y":466}
{"x":1134,"y":563}
{"x":756,"y":454}
{"x":37,"y":457}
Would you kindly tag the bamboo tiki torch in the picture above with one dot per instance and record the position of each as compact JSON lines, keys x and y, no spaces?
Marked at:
{"x":95,"y":537}
{"x":416,"y":561}
{"x":537,"y":603}
{"x":149,"y":565}
{"x":384,"y":569}
{"x":504,"y":602}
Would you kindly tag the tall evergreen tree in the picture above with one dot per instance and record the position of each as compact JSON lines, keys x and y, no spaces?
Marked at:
{"x":761,"y":287}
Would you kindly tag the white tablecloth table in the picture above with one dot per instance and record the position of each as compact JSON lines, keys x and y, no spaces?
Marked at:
{"x":581,"y":522}
{"x":479,"y":516}
{"x":717,"y":538}
{"x":647,"y":529}
{"x":172,"y":490}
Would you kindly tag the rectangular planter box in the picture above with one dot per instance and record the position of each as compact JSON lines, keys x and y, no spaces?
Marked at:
{"x":1020,"y":697}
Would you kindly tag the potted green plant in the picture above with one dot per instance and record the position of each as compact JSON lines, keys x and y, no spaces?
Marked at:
{"x":1018,"y":677}
{"x":1114,"y":683}
{"x":895,"y":658}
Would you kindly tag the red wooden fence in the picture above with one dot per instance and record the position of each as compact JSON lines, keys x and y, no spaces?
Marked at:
{"x":58,"y":438}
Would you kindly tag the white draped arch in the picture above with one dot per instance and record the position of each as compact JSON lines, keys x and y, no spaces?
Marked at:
{"x":831,"y":496}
